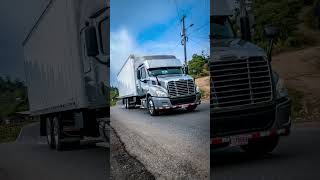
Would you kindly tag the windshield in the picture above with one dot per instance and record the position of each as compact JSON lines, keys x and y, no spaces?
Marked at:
{"x":165,"y":71}
{"x":221,"y":28}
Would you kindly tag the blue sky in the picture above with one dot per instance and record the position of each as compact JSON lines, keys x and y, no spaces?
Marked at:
{"x":146,"y":27}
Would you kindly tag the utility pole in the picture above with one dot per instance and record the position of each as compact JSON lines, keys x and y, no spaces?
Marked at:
{"x":184,"y":39}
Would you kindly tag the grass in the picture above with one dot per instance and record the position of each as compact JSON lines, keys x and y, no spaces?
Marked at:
{"x":297,"y":106}
{"x":10,"y":132}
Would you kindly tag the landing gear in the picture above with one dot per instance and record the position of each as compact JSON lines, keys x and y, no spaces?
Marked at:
{"x":49,"y":130}
{"x":126,"y":103}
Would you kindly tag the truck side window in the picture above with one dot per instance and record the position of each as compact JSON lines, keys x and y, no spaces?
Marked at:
{"x":138,"y":74}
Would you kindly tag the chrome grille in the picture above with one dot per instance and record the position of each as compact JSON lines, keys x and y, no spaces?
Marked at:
{"x":181,"y":88}
{"x":240,"y":82}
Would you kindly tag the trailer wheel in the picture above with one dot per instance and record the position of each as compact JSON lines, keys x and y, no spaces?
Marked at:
{"x":49,"y":131}
{"x":57,"y":132}
{"x":262,"y":146}
{"x":151,"y":109}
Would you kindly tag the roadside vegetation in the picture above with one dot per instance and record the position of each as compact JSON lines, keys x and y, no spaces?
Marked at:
{"x":297,"y":103}
{"x":198,"y":66}
{"x":114,"y":93}
{"x":282,"y":14}
{"x":13,"y":99}
{"x":10,"y":132}
{"x":199,"y":69}
{"x":295,"y":47}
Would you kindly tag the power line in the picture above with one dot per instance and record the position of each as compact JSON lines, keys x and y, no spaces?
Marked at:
{"x":199,"y":28}
{"x":201,"y":37}
{"x":177,"y":9}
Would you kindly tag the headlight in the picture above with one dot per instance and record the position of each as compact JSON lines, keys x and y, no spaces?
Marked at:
{"x":282,"y":91}
{"x":160,"y":93}
{"x":198,"y":89}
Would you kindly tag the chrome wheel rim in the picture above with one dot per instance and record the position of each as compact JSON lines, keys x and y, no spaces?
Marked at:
{"x":151,"y":107}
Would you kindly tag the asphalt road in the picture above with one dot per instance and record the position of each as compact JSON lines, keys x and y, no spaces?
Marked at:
{"x":172,"y":145}
{"x":29,"y":158}
{"x":296,"y":157}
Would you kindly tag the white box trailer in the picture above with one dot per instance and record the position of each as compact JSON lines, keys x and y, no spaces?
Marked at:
{"x":67,"y":69}
{"x":127,"y":78}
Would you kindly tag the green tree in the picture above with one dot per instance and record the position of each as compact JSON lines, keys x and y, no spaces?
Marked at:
{"x":198,"y":65}
{"x":280,"y":13}
{"x":114,"y":93}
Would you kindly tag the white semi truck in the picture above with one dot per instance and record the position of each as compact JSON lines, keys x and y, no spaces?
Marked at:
{"x":249,"y":104}
{"x":157,"y":83}
{"x":67,"y":71}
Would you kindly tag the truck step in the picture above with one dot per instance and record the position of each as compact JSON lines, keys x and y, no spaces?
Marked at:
{"x":91,"y":140}
{"x":103,"y":144}
{"x":143,"y":103}
{"x":70,"y":139}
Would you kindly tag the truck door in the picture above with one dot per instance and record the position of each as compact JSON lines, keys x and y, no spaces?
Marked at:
{"x":96,"y":69}
{"x":144,"y":80}
{"x":138,"y":82}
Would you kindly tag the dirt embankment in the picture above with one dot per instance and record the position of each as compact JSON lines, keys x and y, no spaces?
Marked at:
{"x":301,"y":72}
{"x":204,"y":84}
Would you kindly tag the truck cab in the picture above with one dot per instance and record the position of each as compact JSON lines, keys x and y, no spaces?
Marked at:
{"x":249,"y":104}
{"x":161,"y":84}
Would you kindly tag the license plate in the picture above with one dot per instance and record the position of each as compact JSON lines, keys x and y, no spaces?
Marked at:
{"x":239,"y":140}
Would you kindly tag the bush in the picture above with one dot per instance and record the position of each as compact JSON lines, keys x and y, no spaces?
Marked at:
{"x":114,"y":93}
{"x":280,"y":13}
{"x":198,"y":66}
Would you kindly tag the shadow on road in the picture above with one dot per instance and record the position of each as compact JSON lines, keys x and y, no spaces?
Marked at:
{"x":236,"y":157}
{"x":164,"y":113}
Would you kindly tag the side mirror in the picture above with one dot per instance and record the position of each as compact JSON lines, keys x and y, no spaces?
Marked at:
{"x":138,"y":75}
{"x":271,"y":32}
{"x":186,"y":69}
{"x":91,"y":41}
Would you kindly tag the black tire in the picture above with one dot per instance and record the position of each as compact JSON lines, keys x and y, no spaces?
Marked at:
{"x":151,"y":109}
{"x":191,"y":107}
{"x":49,"y":131}
{"x":57,"y":132}
{"x":261,"y":146}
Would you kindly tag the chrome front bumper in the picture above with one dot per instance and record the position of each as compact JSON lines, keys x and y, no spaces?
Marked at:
{"x":162,"y":103}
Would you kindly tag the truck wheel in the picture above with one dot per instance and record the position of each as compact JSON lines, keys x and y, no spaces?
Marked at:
{"x":49,"y":130}
{"x":191,"y":107}
{"x":57,"y":133}
{"x":152,"y":110}
{"x":261,"y":146}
